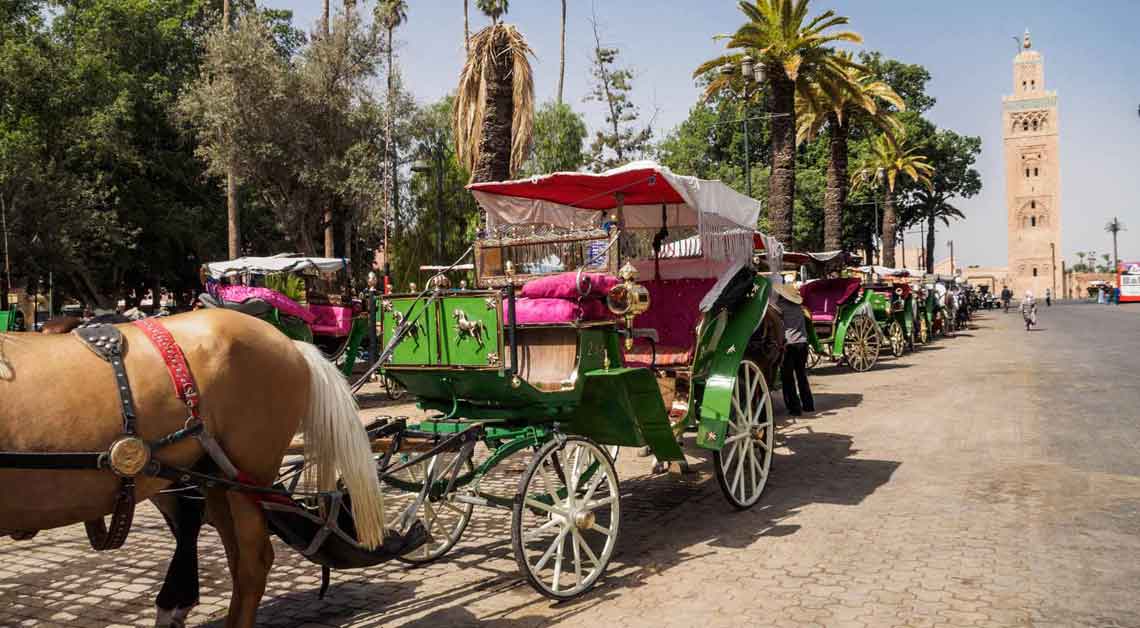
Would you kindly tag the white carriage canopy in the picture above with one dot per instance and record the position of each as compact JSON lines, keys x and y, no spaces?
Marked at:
{"x":706,"y":218}
{"x":275,"y":264}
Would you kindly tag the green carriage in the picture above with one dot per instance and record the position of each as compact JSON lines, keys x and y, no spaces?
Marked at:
{"x":844,"y":318}
{"x":307,"y":298}
{"x":895,"y":307}
{"x":554,"y":354}
{"x":9,"y":319}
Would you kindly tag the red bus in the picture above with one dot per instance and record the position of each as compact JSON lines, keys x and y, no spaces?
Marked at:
{"x":1128,"y":280}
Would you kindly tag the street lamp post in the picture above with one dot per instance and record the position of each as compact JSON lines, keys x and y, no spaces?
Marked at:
{"x":752,"y":75}
{"x":436,"y":165}
{"x":950,"y":243}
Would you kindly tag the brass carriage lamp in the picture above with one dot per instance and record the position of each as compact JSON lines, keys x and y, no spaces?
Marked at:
{"x":628,"y":299}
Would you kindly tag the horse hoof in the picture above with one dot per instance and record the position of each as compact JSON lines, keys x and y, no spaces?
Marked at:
{"x":171,"y":618}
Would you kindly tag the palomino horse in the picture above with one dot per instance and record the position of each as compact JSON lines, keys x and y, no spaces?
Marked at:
{"x":257,"y":389}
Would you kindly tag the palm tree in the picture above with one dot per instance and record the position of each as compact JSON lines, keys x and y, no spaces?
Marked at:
{"x":1114,"y":227}
{"x":562,"y":54}
{"x":494,"y":103}
{"x":327,"y":219}
{"x":1081,"y":256}
{"x":932,"y":207}
{"x":466,"y":30}
{"x":493,"y":9}
{"x":1107,"y":258}
{"x":792,"y":49}
{"x":233,"y":224}
{"x":839,"y":107}
{"x":882,"y":167}
{"x":391,"y":14}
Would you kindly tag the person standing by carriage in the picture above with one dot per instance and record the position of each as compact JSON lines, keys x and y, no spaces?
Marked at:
{"x":1048,"y":297}
{"x":1006,"y":296}
{"x":797,"y":391}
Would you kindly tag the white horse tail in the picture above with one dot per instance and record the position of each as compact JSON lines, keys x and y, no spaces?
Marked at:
{"x":337,"y":445}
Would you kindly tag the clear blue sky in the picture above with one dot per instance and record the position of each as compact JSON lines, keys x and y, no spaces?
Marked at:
{"x":1091,"y":50}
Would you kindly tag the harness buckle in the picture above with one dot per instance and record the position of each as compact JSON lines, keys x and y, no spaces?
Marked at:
{"x":128,"y":456}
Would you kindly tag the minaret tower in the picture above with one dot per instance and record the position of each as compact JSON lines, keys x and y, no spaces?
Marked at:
{"x":1032,"y":177}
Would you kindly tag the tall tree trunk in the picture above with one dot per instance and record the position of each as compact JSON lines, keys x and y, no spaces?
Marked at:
{"x":495,"y":143}
{"x":233,"y":222}
{"x":349,"y":6}
{"x":389,"y":147}
{"x":466,"y":31}
{"x":327,"y":220}
{"x":890,"y":226}
{"x":930,"y":241}
{"x":782,"y":183}
{"x":562,"y":54}
{"x":836,"y":194}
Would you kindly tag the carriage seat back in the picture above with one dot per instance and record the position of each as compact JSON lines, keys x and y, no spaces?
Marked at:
{"x":285,"y":305}
{"x":674,"y":311}
{"x":331,"y":320}
{"x":823,"y":297}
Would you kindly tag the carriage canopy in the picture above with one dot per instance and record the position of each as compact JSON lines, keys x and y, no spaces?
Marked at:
{"x":648,"y":191}
{"x":275,"y":264}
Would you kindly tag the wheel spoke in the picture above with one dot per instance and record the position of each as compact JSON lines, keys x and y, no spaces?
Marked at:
{"x":594,"y":505}
{"x":535,"y":534}
{"x":577,"y":555}
{"x":534,"y":503}
{"x":586,"y":546}
{"x":550,"y":551}
{"x":599,"y":529}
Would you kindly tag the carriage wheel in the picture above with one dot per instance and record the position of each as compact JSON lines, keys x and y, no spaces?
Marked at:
{"x":813,"y":358}
{"x":393,"y":389}
{"x":566,"y":516}
{"x":444,"y":518}
{"x":923,"y":331}
{"x":897,"y":338}
{"x":861,"y":345}
{"x":743,"y":463}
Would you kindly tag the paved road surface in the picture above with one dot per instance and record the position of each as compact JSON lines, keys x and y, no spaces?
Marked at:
{"x":987,"y":480}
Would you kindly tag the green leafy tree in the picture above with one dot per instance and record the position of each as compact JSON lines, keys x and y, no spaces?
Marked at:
{"x":793,"y":49}
{"x":953,"y":157}
{"x":559,"y":134}
{"x":887,"y":161}
{"x":622,"y":140}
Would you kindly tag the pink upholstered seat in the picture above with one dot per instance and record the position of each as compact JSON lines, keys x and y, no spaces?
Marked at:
{"x":553,"y":311}
{"x":241,"y":294}
{"x":674,"y":311}
{"x":331,"y":320}
{"x":823,"y":297}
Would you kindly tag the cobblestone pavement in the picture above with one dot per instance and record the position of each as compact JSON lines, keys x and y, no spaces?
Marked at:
{"x":987,"y":480}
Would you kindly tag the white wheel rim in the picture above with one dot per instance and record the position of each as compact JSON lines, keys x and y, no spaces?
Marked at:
{"x":747,"y":453}
{"x":444,"y":519}
{"x":898,"y":341}
{"x":567,"y":544}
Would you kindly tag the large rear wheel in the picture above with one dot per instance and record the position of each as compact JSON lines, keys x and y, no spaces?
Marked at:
{"x":566,"y":517}
{"x":743,"y":462}
{"x":861,"y":344}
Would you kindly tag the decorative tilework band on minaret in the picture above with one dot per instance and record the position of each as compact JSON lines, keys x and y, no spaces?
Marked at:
{"x":1032,"y":176}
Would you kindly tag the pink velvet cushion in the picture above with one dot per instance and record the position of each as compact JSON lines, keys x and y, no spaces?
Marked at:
{"x":823,"y":297}
{"x":565,"y":286}
{"x":331,"y":320}
{"x":241,"y":294}
{"x":556,"y":311}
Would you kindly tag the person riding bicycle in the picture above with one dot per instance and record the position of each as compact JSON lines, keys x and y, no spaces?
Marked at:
{"x":1006,"y":296}
{"x":1029,"y":310}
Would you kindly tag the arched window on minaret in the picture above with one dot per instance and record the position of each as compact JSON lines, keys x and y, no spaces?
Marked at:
{"x":1032,"y":204}
{"x":1034,"y":125}
{"x":1035,"y":172}
{"x":1033,"y":221}
{"x":1034,"y":271}
{"x":1025,"y":125}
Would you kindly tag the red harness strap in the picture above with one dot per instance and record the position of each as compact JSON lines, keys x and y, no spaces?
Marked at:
{"x":175,"y":360}
{"x":187,"y":389}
